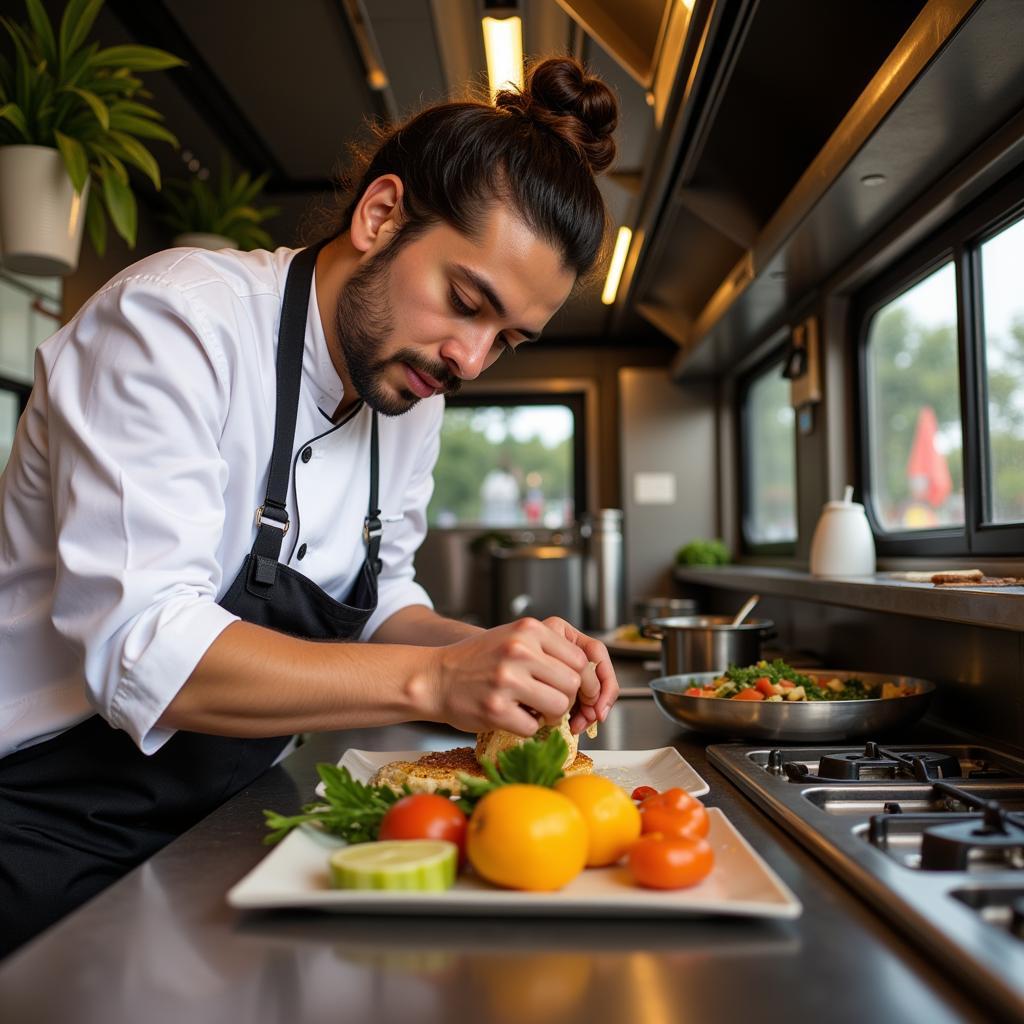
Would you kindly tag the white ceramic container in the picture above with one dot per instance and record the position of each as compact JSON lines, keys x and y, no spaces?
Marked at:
{"x":843,"y":544}
{"x":41,"y":215}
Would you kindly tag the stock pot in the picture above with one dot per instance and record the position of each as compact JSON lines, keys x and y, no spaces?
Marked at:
{"x":706,"y":643}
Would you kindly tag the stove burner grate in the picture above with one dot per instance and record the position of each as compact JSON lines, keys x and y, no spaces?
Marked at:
{"x":873,"y":764}
{"x":989,"y":836}
{"x":993,"y":837}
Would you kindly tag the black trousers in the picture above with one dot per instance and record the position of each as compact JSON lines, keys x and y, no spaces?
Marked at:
{"x":82,"y":809}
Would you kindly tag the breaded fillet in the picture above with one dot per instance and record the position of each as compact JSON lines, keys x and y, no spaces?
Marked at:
{"x":490,"y":744}
{"x":440,"y":769}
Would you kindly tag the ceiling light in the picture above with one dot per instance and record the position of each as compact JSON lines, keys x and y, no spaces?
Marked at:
{"x":611,"y":284}
{"x":873,"y":180}
{"x":503,"y":44}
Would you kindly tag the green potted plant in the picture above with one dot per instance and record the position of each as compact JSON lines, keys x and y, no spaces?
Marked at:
{"x":221,"y":216}
{"x":703,"y":552}
{"x":71,"y":122}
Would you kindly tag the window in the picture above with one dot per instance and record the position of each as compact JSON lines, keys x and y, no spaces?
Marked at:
{"x":768,"y":440}
{"x":941,"y":377}
{"x":1002,"y":333}
{"x":29,"y":313}
{"x":914,"y":427}
{"x":509,"y":463}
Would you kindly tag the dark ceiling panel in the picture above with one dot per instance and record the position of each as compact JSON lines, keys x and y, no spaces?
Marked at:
{"x":404,"y":32}
{"x":292,"y":67}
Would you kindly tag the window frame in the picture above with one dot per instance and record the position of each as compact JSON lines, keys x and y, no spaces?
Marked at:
{"x":960,"y":241}
{"x":775,"y":356}
{"x":575,"y":401}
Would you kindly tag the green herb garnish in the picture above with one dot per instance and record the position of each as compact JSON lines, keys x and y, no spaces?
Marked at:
{"x":349,"y":809}
{"x":535,"y":762}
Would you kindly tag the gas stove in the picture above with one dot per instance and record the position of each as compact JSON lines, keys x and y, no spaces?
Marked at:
{"x":932,"y":835}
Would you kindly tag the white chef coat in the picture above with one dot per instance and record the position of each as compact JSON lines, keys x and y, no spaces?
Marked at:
{"x":128,"y":503}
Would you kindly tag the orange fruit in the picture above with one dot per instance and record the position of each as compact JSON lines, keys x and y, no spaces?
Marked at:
{"x":527,"y":837}
{"x":613,"y":821}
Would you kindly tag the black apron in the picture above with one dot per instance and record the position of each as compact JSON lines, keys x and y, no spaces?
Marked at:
{"x":81,"y":809}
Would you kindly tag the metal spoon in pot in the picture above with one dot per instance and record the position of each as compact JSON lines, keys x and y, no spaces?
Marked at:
{"x":748,"y":607}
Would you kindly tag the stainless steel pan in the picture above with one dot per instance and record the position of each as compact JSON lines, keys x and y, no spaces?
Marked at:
{"x":819,"y":721}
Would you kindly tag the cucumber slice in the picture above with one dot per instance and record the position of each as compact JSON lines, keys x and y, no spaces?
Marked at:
{"x":421,"y":864}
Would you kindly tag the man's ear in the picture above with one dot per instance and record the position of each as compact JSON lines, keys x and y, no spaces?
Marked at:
{"x":377,"y":214}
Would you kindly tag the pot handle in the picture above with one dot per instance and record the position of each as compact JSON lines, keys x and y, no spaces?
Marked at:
{"x":769,"y":633}
{"x":651,"y":632}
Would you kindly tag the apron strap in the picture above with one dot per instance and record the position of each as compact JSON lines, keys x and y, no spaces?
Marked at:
{"x":272,"y":516}
{"x":372,"y":527}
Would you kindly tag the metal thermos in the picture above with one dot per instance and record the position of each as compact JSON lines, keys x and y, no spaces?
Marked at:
{"x":605,"y":577}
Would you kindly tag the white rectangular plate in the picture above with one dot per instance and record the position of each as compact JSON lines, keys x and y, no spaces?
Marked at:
{"x":295,"y":873}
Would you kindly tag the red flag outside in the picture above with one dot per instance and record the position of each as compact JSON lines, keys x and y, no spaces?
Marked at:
{"x":927,"y":469}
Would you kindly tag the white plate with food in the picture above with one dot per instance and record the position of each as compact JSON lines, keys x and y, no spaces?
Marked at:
{"x":628,"y":642}
{"x":661,"y":768}
{"x":296,"y":873}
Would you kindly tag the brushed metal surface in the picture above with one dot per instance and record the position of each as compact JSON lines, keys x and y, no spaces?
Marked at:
{"x":162,"y":946}
{"x":930,"y":906}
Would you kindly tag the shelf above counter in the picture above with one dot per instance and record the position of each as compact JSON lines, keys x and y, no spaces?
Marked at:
{"x":997,"y":608}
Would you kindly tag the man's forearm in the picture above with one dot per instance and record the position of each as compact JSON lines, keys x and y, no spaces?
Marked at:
{"x":257,"y":682}
{"x":420,"y":625}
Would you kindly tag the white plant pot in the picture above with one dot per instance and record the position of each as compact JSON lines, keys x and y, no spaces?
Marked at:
{"x":41,"y":215}
{"x":204,"y":240}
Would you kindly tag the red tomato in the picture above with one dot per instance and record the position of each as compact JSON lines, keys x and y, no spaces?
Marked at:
{"x":692,"y":822}
{"x":674,"y":799}
{"x":643,"y":792}
{"x":693,"y":691}
{"x":661,"y":862}
{"x":787,"y":684}
{"x":675,"y":813}
{"x":750,"y":694}
{"x":425,"y":816}
{"x":764,"y":685}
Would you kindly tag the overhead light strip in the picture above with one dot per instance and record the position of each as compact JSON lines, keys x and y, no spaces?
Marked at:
{"x":615,"y":268}
{"x":503,"y":45}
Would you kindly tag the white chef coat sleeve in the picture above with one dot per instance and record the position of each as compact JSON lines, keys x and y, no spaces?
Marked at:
{"x":137,"y":396}
{"x":396,"y":585}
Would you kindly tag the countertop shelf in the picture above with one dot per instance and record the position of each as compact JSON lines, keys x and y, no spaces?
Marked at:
{"x":995,"y":607}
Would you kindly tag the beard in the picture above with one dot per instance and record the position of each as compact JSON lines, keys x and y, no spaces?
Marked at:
{"x":364,"y":324}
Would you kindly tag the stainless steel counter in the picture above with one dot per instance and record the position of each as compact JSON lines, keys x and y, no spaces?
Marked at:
{"x":162,"y":945}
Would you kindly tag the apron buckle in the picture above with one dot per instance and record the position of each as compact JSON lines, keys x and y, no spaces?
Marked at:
{"x":278,"y":524}
{"x":372,"y":527}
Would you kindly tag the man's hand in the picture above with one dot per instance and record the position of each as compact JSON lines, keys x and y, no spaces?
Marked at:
{"x":494,"y":680}
{"x":599,"y":688}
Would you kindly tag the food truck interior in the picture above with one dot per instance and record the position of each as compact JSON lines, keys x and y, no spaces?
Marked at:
{"x":798,"y":371}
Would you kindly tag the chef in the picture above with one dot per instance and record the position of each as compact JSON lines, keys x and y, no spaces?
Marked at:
{"x":226,"y":461}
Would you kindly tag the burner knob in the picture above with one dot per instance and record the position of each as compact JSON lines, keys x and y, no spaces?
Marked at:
{"x":1017,"y":918}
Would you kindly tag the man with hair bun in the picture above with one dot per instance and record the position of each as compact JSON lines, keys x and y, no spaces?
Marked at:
{"x":226,"y":460}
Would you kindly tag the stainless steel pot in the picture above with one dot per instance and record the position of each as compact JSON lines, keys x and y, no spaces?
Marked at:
{"x":539,"y":580}
{"x":803,"y":721}
{"x":706,"y":643}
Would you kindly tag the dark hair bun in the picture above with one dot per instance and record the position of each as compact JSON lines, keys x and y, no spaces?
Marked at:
{"x":579,"y":108}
